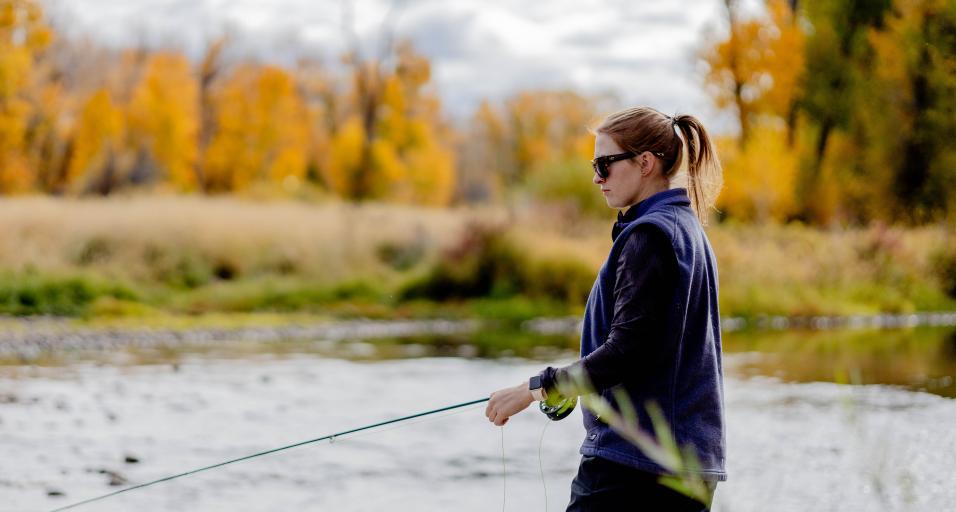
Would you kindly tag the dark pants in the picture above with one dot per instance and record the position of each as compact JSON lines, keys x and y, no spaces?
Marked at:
{"x":602,"y":485}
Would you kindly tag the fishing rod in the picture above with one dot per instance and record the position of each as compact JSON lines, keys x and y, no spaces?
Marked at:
{"x":274,"y":450}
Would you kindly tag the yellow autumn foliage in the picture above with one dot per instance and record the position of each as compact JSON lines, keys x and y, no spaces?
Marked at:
{"x":23,"y":34}
{"x":431,"y":174}
{"x":756,"y":69}
{"x":759,"y":178}
{"x":344,"y":158}
{"x":164,"y":117}
{"x":263,"y":131}
{"x":393,"y":145}
{"x":98,"y":134}
{"x":390,"y":172}
{"x":531,"y":140}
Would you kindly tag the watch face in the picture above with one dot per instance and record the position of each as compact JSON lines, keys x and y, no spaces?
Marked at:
{"x":535,"y":382}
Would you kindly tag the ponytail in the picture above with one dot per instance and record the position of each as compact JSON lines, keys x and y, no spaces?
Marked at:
{"x":704,"y":173}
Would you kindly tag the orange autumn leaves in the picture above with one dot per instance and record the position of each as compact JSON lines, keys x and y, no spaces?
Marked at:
{"x":373,"y":128}
{"x":22,"y":33}
{"x":156,"y":119}
{"x":263,"y":131}
{"x":845,"y":115}
{"x":755,"y":72}
{"x":845,"y":110}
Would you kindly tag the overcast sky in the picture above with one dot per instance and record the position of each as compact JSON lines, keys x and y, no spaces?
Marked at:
{"x":642,"y":51}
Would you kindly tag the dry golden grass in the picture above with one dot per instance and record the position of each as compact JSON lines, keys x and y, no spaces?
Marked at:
{"x":800,"y":270}
{"x":144,"y":239}
{"x":136,"y":236}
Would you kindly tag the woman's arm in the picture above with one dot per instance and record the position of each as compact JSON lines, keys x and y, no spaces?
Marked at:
{"x":644,"y":288}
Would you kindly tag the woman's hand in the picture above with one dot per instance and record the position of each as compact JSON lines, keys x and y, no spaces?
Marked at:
{"x":507,"y":402}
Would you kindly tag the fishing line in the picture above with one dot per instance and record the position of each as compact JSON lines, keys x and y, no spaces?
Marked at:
{"x":541,"y":466}
{"x":443,"y":416}
{"x":330,"y":437}
{"x":406,"y":425}
{"x":504,"y":474}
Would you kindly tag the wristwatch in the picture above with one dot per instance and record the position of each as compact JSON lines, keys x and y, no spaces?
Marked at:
{"x":537,"y":391}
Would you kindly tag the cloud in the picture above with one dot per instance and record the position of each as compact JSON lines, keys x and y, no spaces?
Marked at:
{"x":639,"y":51}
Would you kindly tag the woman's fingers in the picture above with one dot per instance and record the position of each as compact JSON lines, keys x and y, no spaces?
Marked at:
{"x":507,"y":402}
{"x":495,"y":410}
{"x":498,"y":418}
{"x":493,"y":406}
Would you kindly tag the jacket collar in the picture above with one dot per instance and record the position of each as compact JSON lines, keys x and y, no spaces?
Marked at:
{"x":674,"y":196}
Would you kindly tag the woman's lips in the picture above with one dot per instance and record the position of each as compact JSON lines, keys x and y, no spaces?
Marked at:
{"x":605,"y":191}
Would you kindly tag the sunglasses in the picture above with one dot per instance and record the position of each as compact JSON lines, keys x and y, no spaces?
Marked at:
{"x":602,"y":164}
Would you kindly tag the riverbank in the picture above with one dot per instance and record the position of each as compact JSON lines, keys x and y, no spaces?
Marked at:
{"x":916,"y":351}
{"x":154,"y":257}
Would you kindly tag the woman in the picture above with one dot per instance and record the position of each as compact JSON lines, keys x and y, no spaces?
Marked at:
{"x":651,"y":325}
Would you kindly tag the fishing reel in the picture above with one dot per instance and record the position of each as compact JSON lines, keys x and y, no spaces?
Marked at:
{"x":557,"y":407}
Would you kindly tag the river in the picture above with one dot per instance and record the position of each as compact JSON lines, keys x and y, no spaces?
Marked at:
{"x":803,"y":434}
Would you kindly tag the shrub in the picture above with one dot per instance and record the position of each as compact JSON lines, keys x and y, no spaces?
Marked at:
{"x":486,"y":262}
{"x":184,"y":269}
{"x":401,"y":255}
{"x":568,"y":184}
{"x":482,"y":261}
{"x":566,"y":280}
{"x":33,"y":295}
{"x":945,"y":263}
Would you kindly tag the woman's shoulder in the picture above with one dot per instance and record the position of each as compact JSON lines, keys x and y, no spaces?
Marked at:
{"x":645,"y":241}
{"x":649,"y":229}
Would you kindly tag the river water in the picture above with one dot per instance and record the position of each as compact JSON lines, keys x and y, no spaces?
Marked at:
{"x":798,"y":440}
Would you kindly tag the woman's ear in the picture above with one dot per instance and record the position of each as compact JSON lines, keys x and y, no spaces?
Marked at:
{"x":646,"y":164}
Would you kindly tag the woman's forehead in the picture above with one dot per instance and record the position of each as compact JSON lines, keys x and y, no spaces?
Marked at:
{"x":605,"y":145}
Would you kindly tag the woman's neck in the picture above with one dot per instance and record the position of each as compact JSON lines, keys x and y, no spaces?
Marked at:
{"x":650,"y":191}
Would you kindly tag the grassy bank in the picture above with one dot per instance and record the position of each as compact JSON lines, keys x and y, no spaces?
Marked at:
{"x":152,"y":257}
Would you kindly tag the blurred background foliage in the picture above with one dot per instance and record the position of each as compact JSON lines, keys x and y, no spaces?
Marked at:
{"x":845,"y":112}
{"x":840,"y":177}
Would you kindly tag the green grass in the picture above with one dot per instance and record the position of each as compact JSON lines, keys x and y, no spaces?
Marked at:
{"x":116,"y":258}
{"x":36,"y":294}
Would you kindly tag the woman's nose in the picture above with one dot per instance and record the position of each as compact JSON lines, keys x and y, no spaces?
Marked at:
{"x":597,"y":179}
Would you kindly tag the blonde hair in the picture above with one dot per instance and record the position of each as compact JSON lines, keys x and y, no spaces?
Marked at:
{"x":640,"y":129}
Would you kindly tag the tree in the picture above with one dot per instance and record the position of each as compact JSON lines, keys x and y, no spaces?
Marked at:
{"x":839,"y":57}
{"x":484,"y":155}
{"x":261,"y":131}
{"x":534,"y":143}
{"x":97,"y":144}
{"x":210,"y":69}
{"x":47,"y":142}
{"x":393,"y":143}
{"x":23,"y":35}
{"x":756,"y":70}
{"x":531,"y":130}
{"x":322,"y":105}
{"x":917,"y":83}
{"x":164,"y":118}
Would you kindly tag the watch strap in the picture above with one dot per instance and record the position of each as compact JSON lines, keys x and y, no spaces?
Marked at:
{"x":537,"y":390}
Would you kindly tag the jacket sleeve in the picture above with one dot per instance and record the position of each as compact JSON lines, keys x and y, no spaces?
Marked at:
{"x":644,"y":286}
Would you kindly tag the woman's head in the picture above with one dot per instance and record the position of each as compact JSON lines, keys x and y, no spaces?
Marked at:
{"x":658,"y":154}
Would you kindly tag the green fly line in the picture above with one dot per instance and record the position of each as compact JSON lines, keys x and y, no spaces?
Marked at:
{"x":330,"y":438}
{"x":544,"y":484}
{"x":504,"y":473}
